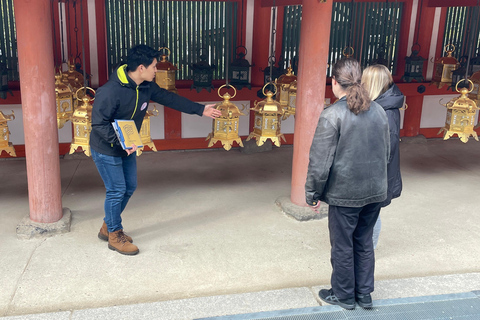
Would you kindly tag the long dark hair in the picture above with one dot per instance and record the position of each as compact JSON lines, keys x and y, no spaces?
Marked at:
{"x":348,"y":74}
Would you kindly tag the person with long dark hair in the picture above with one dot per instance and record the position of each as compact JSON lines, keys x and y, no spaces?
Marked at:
{"x":348,"y":171}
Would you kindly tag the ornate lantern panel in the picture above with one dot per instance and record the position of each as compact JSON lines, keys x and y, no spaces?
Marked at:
{"x":82,"y":122}
{"x":444,"y":67}
{"x":240,"y":71}
{"x":267,"y":125}
{"x":460,"y":117}
{"x":64,"y":101}
{"x":145,"y":133}
{"x":475,"y":93}
{"x":292,"y":98}
{"x":166,"y":71}
{"x":225,"y":127}
{"x":5,"y":143}
{"x":202,"y":74}
{"x":283,"y":89}
{"x":414,"y":66}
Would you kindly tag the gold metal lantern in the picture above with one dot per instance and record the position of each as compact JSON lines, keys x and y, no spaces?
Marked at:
{"x":460,"y":116}
{"x":166,"y":71}
{"x":74,"y":78}
{"x":292,"y":98}
{"x":444,"y":67}
{"x":283,"y":90}
{"x":225,"y":127}
{"x":64,"y":101}
{"x":82,"y":122}
{"x":267,"y":125}
{"x":5,"y":144}
{"x":145,"y":133}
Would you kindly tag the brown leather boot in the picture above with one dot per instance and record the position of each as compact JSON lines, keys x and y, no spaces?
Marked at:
{"x":117,"y":241}
{"x":103,"y":234}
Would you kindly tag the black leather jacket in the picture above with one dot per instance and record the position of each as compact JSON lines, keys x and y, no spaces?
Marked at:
{"x":391,"y":101}
{"x":348,"y":157}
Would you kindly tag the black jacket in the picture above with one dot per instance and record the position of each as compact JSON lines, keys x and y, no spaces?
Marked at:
{"x":348,"y":157}
{"x":121,"y":98}
{"x":391,"y":101}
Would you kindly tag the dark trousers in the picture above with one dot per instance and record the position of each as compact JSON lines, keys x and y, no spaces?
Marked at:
{"x":352,"y":256}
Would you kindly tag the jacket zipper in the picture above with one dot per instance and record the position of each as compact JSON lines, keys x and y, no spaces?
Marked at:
{"x":136,"y":104}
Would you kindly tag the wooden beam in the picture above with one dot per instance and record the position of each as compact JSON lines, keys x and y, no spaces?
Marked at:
{"x":450,"y":3}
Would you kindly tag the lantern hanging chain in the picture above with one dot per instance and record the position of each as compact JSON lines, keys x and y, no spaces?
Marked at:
{"x":473,"y":39}
{"x":349,"y":40}
{"x":227,"y":53}
{"x":83,"y":50}
{"x":76,"y":28}
{"x":241,"y":30}
{"x":67,"y":25}
{"x":272,"y":40}
{"x":419,"y":21}
{"x":61,"y":35}
{"x":54,"y":37}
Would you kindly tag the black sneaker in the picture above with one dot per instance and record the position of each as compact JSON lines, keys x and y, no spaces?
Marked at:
{"x":364,"y":300}
{"x":329,"y":297}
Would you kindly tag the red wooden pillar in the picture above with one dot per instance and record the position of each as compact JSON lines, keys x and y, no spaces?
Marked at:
{"x":312,"y":69}
{"x":37,"y":83}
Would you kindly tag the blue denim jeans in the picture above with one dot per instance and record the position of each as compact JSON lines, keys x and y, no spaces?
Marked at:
{"x":119,"y":174}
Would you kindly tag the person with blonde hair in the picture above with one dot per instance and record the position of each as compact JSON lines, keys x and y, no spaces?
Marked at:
{"x":348,"y":171}
{"x":379,"y":84}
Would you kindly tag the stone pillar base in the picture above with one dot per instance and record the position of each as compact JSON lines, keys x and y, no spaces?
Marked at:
{"x":301,"y":213}
{"x":28,"y":229}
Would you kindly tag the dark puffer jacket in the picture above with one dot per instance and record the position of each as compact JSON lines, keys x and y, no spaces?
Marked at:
{"x":348,"y":157}
{"x":121,"y":98}
{"x":391,"y":101}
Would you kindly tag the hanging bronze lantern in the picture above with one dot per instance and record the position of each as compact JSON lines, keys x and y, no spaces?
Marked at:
{"x":271,"y":69}
{"x":267,"y":125}
{"x":4,"y":81}
{"x":64,"y":101}
{"x":414,"y":66}
{"x":202,"y":74}
{"x":459,"y":74}
{"x":82,"y":122}
{"x":145,"y":133}
{"x":166,"y":71}
{"x":5,"y":144}
{"x":460,"y":116}
{"x":283,"y":88}
{"x":240,"y":70}
{"x":474,"y":65}
{"x":225,"y":127}
{"x":73,"y":77}
{"x":444,"y":67}
{"x":475,"y":93}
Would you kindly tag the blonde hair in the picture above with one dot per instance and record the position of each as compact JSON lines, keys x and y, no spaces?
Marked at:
{"x":376,"y":79}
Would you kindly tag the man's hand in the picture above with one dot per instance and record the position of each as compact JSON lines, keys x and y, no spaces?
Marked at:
{"x":211,"y":112}
{"x":316,"y":208}
{"x":130,"y":151}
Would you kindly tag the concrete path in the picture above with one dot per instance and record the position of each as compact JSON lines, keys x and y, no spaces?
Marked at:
{"x":208,"y":231}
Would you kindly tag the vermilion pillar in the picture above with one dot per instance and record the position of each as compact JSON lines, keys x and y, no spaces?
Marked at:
{"x":261,"y":42}
{"x":37,"y":83}
{"x":312,"y":69}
